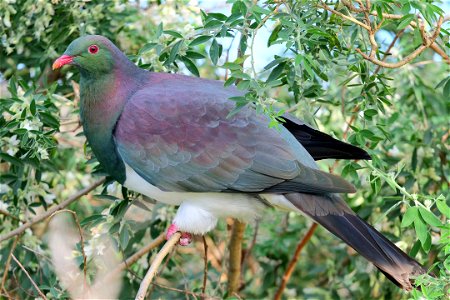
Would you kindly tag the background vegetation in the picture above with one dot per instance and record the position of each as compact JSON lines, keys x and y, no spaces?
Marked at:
{"x":374,"y":73}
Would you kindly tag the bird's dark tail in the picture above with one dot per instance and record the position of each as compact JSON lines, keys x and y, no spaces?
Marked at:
{"x":333,"y":213}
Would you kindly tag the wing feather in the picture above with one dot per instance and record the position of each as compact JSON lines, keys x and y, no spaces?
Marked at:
{"x":181,"y":139}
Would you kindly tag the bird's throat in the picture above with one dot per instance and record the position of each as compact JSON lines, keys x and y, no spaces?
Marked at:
{"x":100,"y":107}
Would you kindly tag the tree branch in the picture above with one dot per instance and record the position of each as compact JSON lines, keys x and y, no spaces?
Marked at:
{"x":51,"y":211}
{"x":205,"y":269}
{"x":250,"y":248}
{"x":135,"y":257}
{"x":427,"y":42}
{"x":350,"y":18}
{"x":391,"y":45}
{"x":6,"y":213}
{"x":292,"y":263}
{"x":235,"y":248}
{"x":169,"y":245}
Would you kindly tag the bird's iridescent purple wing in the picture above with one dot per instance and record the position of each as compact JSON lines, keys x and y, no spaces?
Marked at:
{"x":178,"y":136}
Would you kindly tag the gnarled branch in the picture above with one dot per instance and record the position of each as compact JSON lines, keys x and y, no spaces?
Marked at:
{"x":428,"y":41}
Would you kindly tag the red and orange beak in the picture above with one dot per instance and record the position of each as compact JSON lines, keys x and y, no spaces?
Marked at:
{"x":61,"y":61}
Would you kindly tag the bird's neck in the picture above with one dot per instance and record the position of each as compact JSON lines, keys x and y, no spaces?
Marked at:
{"x":102,"y":101}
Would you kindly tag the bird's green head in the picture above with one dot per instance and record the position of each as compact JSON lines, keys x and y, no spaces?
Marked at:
{"x":93,"y":54}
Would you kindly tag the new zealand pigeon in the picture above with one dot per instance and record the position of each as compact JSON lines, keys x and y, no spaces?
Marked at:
{"x":170,"y":137}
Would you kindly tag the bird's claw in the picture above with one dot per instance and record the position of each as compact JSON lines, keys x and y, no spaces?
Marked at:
{"x":185,"y":238}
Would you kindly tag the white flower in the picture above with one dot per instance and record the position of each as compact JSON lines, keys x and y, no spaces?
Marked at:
{"x":100,"y":249}
{"x":3,"y":205}
{"x":11,"y":145}
{"x":34,"y":124}
{"x":43,"y":153}
{"x":88,"y":250}
{"x":4,"y":188}
{"x":49,"y":198}
{"x":111,"y":188}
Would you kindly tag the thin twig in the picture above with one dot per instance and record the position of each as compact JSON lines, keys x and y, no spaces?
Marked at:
{"x":234,"y":271}
{"x":168,"y":246}
{"x":29,"y":277}
{"x":52,"y":210}
{"x":428,"y":42}
{"x":291,"y":266}
{"x":391,"y":45}
{"x":8,"y":262}
{"x":433,"y":46}
{"x":255,"y":31}
{"x":350,"y":18}
{"x":186,"y":292}
{"x":83,"y":253}
{"x":205,"y":269}
{"x":135,"y":257}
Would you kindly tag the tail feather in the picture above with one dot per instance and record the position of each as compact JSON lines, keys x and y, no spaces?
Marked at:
{"x":332,"y":213}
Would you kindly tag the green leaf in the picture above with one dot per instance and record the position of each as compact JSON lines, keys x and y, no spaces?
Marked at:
{"x":415,"y":249}
{"x":443,"y":207}
{"x":405,"y":20}
{"x":411,"y":214}
{"x":446,"y":90}
{"x":124,"y":237}
{"x":212,"y":24}
{"x":11,"y":159}
{"x":13,"y":86}
{"x":200,"y":40}
{"x":429,"y":217}
{"x":300,"y":59}
{"x":33,"y":107}
{"x":190,"y":66}
{"x":159,"y":30}
{"x":173,"y":33}
{"x":421,"y":230}
{"x":239,"y":7}
{"x":218,"y":16}
{"x":369,"y":113}
{"x":427,"y":245}
{"x":274,"y":35}
{"x":147,"y":48}
{"x":194,"y":55}
{"x":243,"y":85}
{"x":214,"y":52}
{"x":91,"y":219}
{"x":174,"y":52}
{"x":276,"y":72}
{"x":260,"y":10}
{"x":229,"y":81}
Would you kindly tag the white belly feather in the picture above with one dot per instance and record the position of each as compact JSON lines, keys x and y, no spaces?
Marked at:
{"x":198,"y":212}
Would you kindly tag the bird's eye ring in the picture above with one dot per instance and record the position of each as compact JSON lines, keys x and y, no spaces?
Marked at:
{"x":93,"y":49}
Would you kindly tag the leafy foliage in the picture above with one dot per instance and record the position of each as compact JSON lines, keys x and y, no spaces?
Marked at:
{"x":316,"y":72}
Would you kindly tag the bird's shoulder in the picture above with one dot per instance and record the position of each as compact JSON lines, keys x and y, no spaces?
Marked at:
{"x":171,"y":100}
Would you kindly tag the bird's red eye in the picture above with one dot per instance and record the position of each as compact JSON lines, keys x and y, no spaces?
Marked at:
{"x":93,"y":49}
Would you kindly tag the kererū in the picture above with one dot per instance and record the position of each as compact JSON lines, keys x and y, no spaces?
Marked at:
{"x":171,"y":138}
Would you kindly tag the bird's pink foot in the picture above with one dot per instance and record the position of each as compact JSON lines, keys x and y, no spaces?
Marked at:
{"x":185,"y":238}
